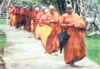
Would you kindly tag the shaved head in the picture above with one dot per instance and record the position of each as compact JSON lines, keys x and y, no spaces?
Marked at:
{"x":68,"y":5}
{"x":69,"y":8}
{"x":43,"y":7}
{"x":46,"y":11}
{"x":51,"y":7}
{"x":37,"y":9}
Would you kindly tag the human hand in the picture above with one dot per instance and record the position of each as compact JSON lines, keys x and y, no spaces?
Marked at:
{"x":71,"y":25}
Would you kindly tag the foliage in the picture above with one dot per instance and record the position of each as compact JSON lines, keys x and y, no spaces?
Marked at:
{"x":93,"y":48}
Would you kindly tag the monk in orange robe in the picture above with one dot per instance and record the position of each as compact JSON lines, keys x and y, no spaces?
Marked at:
{"x":32,"y":19}
{"x":14,"y":15}
{"x":35,"y":21}
{"x":18,"y":17}
{"x":74,"y":50}
{"x":41,"y":14}
{"x":38,"y":17}
{"x":29,"y":18}
{"x":44,"y":30}
{"x":11,"y":15}
{"x":51,"y":19}
{"x":24,"y":18}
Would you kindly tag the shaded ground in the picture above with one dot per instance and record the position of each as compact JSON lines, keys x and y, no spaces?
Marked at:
{"x":22,"y":52}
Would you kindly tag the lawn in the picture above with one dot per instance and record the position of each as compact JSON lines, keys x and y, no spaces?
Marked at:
{"x":1,"y":31}
{"x":3,"y":22}
{"x":2,"y":40}
{"x":93,"y":48}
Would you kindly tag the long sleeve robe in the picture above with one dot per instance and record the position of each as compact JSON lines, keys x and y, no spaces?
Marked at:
{"x":74,"y":49}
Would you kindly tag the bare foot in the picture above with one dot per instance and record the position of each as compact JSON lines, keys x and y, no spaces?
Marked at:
{"x":69,"y":66}
{"x":45,"y":51}
{"x":75,"y":65}
{"x":55,"y":54}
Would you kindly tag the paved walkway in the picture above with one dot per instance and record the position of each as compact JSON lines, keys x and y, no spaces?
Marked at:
{"x":22,"y":52}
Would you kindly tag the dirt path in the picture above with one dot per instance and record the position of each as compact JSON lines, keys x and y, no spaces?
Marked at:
{"x":22,"y":52}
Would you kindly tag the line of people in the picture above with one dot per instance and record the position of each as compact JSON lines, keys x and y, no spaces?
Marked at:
{"x":46,"y":24}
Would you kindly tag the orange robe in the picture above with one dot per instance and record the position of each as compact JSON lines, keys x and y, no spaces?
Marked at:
{"x":35,"y":22}
{"x":32,"y":24}
{"x":29,"y":18}
{"x":18,"y":18}
{"x":11,"y":16}
{"x":74,"y":49}
{"x":44,"y":31}
{"x":14,"y":16}
{"x":52,"y":44}
{"x":38,"y":28}
{"x":24,"y":19}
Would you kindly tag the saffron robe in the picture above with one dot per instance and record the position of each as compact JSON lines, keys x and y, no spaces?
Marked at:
{"x":74,"y":49}
{"x":52,"y":44}
{"x":11,"y":16}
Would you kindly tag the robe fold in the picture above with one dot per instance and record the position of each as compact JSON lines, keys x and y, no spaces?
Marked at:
{"x":74,"y":50}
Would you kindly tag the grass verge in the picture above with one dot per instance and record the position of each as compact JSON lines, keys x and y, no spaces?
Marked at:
{"x":3,"y":21}
{"x":93,"y":48}
{"x":2,"y":45}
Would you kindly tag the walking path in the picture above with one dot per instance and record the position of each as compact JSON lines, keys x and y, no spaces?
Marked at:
{"x":22,"y":52}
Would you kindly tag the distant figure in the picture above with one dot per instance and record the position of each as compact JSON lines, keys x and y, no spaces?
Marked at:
{"x":74,"y":50}
{"x":38,"y":19}
{"x":24,"y":18}
{"x":11,"y":15}
{"x":29,"y":18}
{"x":35,"y":21}
{"x":18,"y":17}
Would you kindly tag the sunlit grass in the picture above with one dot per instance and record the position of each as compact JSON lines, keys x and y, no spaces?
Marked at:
{"x":3,"y":22}
{"x":93,"y":48}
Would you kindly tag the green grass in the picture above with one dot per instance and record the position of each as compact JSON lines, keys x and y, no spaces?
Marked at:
{"x":2,"y":41}
{"x":3,"y":22}
{"x":93,"y":48}
{"x":1,"y":31}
